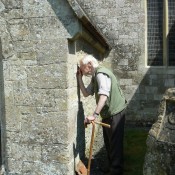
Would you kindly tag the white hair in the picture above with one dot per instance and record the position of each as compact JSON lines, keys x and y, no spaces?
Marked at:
{"x":89,"y":58}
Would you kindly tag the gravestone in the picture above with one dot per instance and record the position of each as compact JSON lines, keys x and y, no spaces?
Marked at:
{"x":160,"y":156}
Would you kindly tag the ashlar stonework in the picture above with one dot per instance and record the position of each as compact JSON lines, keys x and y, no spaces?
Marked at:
{"x":41,"y":108}
{"x":41,"y":111}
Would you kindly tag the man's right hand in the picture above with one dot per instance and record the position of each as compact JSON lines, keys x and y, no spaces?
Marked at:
{"x":79,"y":72}
{"x":88,"y":120}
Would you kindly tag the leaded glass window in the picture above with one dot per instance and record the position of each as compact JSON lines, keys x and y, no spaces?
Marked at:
{"x":161,"y":32}
{"x":171,"y":35}
{"x":155,"y":32}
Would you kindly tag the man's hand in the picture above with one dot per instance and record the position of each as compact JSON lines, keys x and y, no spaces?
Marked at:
{"x":88,"y":120}
{"x":79,"y":72}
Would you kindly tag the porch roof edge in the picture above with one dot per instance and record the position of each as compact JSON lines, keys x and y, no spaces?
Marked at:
{"x":89,"y":25}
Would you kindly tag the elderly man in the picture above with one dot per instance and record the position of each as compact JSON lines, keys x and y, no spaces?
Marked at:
{"x":111,"y":106}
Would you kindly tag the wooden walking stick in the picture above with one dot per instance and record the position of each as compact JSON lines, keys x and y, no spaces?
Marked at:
{"x":91,"y":147}
{"x":92,"y":142}
{"x":103,"y":124}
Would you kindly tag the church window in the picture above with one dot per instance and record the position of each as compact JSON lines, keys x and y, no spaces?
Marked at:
{"x":161,"y":32}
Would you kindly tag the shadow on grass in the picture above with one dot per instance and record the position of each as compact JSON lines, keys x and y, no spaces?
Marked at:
{"x":134,"y":153}
{"x":134,"y":150}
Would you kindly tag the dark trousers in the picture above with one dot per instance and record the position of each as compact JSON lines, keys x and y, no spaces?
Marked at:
{"x":113,"y":139}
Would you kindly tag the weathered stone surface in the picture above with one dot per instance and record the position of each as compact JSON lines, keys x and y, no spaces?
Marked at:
{"x":34,"y":52}
{"x":38,"y":66}
{"x":12,"y":4}
{"x":45,"y":28}
{"x":58,"y":153}
{"x":47,"y":77}
{"x":2,"y":7}
{"x":53,"y":168}
{"x":19,"y":31}
{"x":11,"y":14}
{"x":50,"y":49}
{"x":160,"y":156}
{"x":25,"y":152}
{"x":33,"y":9}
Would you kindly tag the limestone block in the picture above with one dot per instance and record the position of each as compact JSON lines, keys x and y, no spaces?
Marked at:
{"x":51,"y":168}
{"x":123,"y":62}
{"x":153,"y":76}
{"x":141,"y":96}
{"x":44,"y":128}
{"x":19,"y":31}
{"x":133,"y":35}
{"x":48,"y":99}
{"x":14,"y":136}
{"x":73,"y":124}
{"x":72,"y":70}
{"x":57,"y":152}
{"x":133,"y":19}
{"x":35,"y":9}
{"x":13,"y":163}
{"x":13,"y":14}
{"x":22,"y":95}
{"x":170,"y":83}
{"x":24,"y":152}
{"x":45,"y":28}
{"x":13,"y":61}
{"x":13,"y":118}
{"x":7,"y":45}
{"x":158,"y":97}
{"x":151,"y":90}
{"x":47,"y":12}
{"x":2,"y":7}
{"x":102,"y":11}
{"x":47,"y":77}
{"x":12,"y":4}
{"x":113,"y":12}
{"x":24,"y":46}
{"x":6,"y":70}
{"x":170,"y":71}
{"x":161,"y":71}
{"x":130,"y":97}
{"x":73,"y":99}
{"x":125,"y":81}
{"x":27,"y":58}
{"x":49,"y":51}
{"x":17,"y":73}
{"x":131,"y":89}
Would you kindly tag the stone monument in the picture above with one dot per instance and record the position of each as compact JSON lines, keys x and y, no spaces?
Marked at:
{"x":160,"y":156}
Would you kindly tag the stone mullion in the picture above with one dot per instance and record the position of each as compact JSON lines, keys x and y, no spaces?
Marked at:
{"x":165,"y":33}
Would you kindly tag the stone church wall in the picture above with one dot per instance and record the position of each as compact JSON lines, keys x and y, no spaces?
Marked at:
{"x":124,"y":24}
{"x":39,"y":98}
{"x":42,"y":108}
{"x":36,"y":127}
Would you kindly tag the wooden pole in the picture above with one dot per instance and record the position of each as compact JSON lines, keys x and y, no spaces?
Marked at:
{"x":103,"y":124}
{"x":92,"y":142}
{"x":91,"y":147}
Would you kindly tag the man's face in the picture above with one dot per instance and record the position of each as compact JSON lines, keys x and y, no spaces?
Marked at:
{"x":87,"y":69}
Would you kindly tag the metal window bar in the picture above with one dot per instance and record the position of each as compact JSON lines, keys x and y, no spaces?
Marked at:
{"x":155,"y":32}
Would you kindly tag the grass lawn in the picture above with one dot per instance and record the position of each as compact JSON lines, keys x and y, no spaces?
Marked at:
{"x":134,"y":150}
